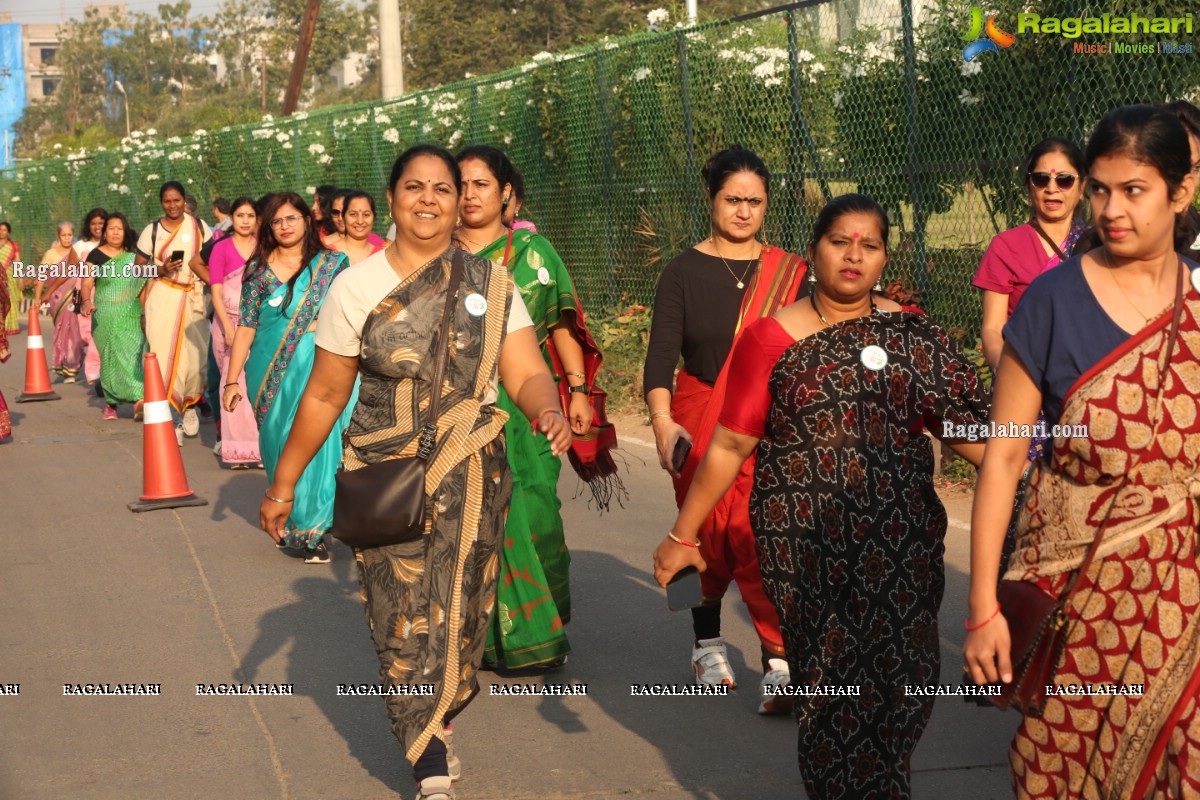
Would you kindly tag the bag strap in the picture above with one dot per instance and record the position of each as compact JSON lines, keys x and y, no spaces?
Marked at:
{"x":1037,"y":226}
{"x":429,"y":431}
{"x":1164,"y":365}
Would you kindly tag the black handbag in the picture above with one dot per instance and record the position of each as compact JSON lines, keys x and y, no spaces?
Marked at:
{"x":384,"y":503}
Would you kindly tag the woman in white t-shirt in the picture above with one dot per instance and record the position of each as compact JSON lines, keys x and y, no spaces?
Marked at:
{"x":429,"y":600}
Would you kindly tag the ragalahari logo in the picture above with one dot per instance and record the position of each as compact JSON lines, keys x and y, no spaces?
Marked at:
{"x":981,"y":43}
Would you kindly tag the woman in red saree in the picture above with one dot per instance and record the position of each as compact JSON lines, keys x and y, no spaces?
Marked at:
{"x":1091,"y":345}
{"x":705,"y":297}
{"x":5,"y":353}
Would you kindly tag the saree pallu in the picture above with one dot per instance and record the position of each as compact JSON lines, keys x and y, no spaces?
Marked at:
{"x":10,"y":252}
{"x":239,"y":431}
{"x":1136,"y":613}
{"x":277,"y":370}
{"x":533,"y":601}
{"x":5,"y":354}
{"x":178,"y":334}
{"x":117,"y":332}
{"x":67,"y":353}
{"x":429,"y":601}
{"x":696,"y":406}
{"x":91,"y":356}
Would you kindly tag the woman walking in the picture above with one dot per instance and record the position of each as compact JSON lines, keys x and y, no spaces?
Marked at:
{"x":1106,"y":341}
{"x":533,"y":603}
{"x":428,"y":601}
{"x":61,"y":293}
{"x":833,"y":393}
{"x":10,"y":251}
{"x":174,"y":303}
{"x":284,"y":287}
{"x":111,"y":301}
{"x":226,"y":270}
{"x":92,"y":232}
{"x":706,"y":297}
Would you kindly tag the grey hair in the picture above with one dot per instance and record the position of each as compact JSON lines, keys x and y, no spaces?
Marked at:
{"x":66,"y":223}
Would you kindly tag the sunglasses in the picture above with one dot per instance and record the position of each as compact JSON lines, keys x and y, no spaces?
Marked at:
{"x":1041,"y":180}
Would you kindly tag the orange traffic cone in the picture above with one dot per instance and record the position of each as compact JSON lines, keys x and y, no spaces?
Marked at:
{"x":163,"y":479}
{"x":37,"y":375}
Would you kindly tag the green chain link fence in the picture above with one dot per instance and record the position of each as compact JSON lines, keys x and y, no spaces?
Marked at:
{"x":848,"y":95}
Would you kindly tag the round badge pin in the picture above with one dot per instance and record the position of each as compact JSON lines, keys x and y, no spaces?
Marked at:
{"x":187,"y":237}
{"x":1196,"y":279}
{"x":543,"y":276}
{"x":874,"y":357}
{"x":275,"y":302}
{"x":476,"y":304}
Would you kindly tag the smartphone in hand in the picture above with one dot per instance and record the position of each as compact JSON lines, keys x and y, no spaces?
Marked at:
{"x":683,"y":590}
{"x":177,"y":255}
{"x":679,"y":458}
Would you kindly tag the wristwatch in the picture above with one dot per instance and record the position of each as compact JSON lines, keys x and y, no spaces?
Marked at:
{"x":582,"y":388}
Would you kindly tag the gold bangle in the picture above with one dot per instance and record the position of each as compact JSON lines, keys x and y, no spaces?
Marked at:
{"x":656,"y":414}
{"x":276,"y":499}
{"x":577,"y":375}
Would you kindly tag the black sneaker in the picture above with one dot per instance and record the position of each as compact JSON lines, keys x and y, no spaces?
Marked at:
{"x":318,"y":554}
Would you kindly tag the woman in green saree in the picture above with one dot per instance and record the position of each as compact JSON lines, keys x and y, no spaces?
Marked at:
{"x":533,"y":602}
{"x":10,"y":251}
{"x":111,"y":300}
{"x":286,"y":281}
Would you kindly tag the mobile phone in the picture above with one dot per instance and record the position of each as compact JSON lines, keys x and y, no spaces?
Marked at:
{"x":683,"y":590}
{"x":680,"y":456}
{"x":177,"y":255}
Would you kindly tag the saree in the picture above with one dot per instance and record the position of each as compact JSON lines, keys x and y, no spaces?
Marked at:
{"x":239,"y":430}
{"x":91,"y":357}
{"x":428,"y":602}
{"x":277,"y":370}
{"x":67,"y":353}
{"x":533,"y":600}
{"x":1136,"y":613}
{"x":10,"y":251}
{"x":117,"y":331}
{"x":850,"y":531}
{"x":176,"y":328}
{"x":696,"y":406}
{"x":5,"y":354}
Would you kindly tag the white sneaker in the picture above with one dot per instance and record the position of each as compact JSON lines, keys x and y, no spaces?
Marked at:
{"x":435,"y":788}
{"x":179,"y":434}
{"x":217,"y":448}
{"x":710,"y":661}
{"x":453,"y":763}
{"x":777,"y":676}
{"x":191,"y":422}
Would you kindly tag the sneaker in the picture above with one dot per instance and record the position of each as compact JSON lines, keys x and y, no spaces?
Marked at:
{"x":710,"y":661}
{"x":217,"y":448}
{"x":435,"y":788}
{"x":179,"y":435}
{"x":453,"y":764}
{"x":318,"y":554}
{"x":191,"y":422}
{"x":777,"y":676}
{"x":110,"y":412}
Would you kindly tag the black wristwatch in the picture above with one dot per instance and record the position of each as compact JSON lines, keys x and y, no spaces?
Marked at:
{"x":582,"y":388}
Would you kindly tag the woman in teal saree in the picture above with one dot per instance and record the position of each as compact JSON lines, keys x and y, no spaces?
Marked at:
{"x":286,"y":283}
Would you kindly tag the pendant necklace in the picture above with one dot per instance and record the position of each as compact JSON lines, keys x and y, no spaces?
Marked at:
{"x":812,"y":299}
{"x":741,"y":282}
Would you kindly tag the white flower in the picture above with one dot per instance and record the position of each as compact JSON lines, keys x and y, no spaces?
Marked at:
{"x":151,"y":132}
{"x":508,"y":138}
{"x":16,"y":198}
{"x":844,"y":49}
{"x":123,"y":189}
{"x":542,"y":57}
{"x":640,"y":74}
{"x":174,"y":140}
{"x":804,"y":55}
{"x":658,"y":16}
{"x":200,"y":132}
{"x":392,"y":136}
{"x":287,"y":145}
{"x":766,"y":72}
{"x":361,"y":119}
{"x":446,"y":122}
{"x":382,"y":119}
{"x":455,"y":138}
{"x":325,"y":159}
{"x":967,"y":99}
{"x":316,"y":149}
{"x":58,"y":146}
{"x":136,"y":135}
{"x":267,"y":118}
{"x":282,"y":136}
{"x":310,"y":190}
{"x":726,"y":54}
{"x":969,"y":68}
{"x":153,"y":176}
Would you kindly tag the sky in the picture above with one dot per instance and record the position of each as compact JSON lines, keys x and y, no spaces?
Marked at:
{"x":50,"y":12}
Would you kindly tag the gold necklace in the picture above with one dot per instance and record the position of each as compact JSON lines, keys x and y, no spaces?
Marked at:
{"x":741,"y":282}
{"x":1112,"y":273}
{"x":812,"y":299}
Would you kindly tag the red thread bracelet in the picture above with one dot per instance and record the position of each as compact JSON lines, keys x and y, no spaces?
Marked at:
{"x":967,"y":621}
{"x":675,"y":538}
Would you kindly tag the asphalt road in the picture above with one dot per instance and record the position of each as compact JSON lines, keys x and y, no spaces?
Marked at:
{"x":92,"y":593}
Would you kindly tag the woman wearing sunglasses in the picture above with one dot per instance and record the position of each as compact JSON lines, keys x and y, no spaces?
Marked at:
{"x":1014,"y":258}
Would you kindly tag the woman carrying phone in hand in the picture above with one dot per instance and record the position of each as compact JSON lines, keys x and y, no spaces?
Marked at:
{"x":176,"y":327}
{"x":834,"y":393}
{"x":705,"y":297}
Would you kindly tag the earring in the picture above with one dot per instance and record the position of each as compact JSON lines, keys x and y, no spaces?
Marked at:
{"x":878,"y":287}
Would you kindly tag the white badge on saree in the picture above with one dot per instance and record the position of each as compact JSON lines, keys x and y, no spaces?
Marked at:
{"x":476,"y":304}
{"x":275,"y":302}
{"x":1196,"y":279}
{"x":187,"y":237}
{"x":543,"y":276}
{"x":874,"y":357}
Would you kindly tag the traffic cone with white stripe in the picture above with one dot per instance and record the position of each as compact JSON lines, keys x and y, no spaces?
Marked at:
{"x":164,"y":481}
{"x":37,"y":374}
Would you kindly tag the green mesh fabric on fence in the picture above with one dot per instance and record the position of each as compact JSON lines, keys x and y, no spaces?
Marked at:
{"x":856,"y":95}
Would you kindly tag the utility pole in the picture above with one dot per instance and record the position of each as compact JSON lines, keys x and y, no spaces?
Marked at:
{"x":691,"y":11}
{"x":391,"y":49}
{"x":307,"y":28}
{"x":262,"y":70}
